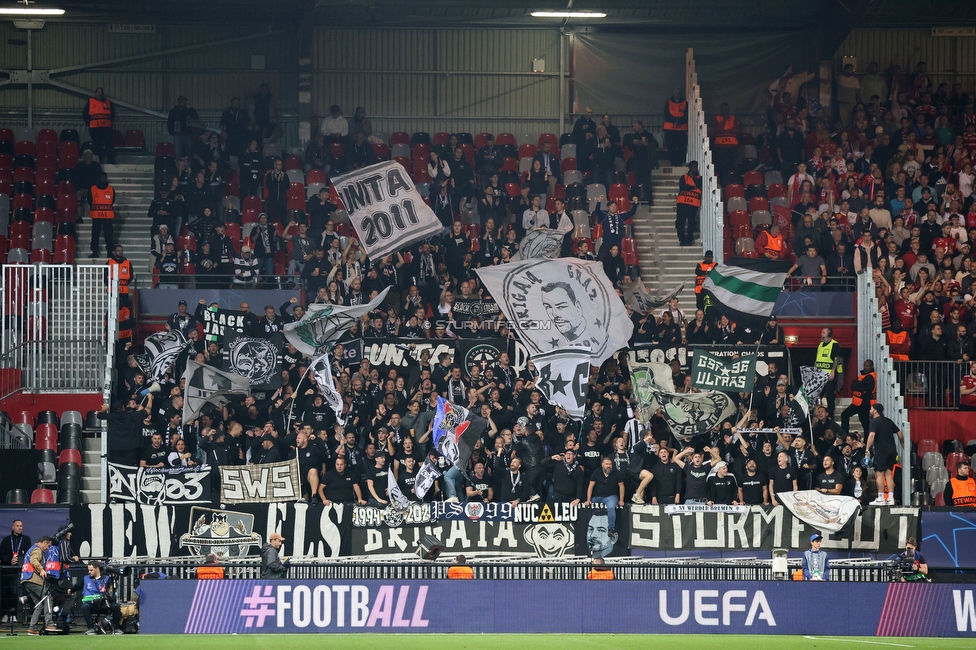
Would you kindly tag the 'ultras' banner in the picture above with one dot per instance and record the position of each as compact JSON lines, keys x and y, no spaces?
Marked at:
{"x":157,"y":486}
{"x":709,"y":372}
{"x":767,"y":527}
{"x":385,"y":208}
{"x":268,"y":483}
{"x":132,"y":530}
{"x":612,"y":607}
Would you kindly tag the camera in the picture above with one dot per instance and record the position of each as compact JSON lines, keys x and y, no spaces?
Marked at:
{"x":62,"y":533}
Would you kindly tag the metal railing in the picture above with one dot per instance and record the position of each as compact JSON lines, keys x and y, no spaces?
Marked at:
{"x":217,"y":281}
{"x":872,"y":344}
{"x":711,"y":214}
{"x":57,"y":325}
{"x":834,"y":283}
{"x":931,"y":384}
{"x":528,"y":568}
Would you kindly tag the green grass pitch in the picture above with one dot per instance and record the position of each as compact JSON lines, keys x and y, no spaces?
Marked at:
{"x":483,"y":642}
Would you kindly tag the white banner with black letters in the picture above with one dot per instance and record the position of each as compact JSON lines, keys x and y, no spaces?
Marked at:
{"x":159,"y":486}
{"x":385,"y":208}
{"x":269,"y":483}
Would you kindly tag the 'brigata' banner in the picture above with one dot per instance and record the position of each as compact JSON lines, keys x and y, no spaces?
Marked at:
{"x":270,"y":483}
{"x":159,"y":486}
{"x":385,"y":208}
{"x":766,"y":527}
{"x":613,"y":607}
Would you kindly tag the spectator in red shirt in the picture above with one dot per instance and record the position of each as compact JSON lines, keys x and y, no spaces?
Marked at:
{"x":967,"y":388}
{"x":906,"y":310}
{"x":771,"y":244}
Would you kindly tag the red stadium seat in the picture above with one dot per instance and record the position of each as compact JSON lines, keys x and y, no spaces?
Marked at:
{"x":441,"y":138}
{"x":399,"y":137}
{"x":753,"y":178}
{"x":316,"y":176}
{"x":733,"y":189}
{"x":252,"y":203}
{"x":64,"y":255}
{"x":47,"y":149}
{"x":25,"y":148}
{"x":46,"y":437}
{"x":509,"y":165}
{"x":513,"y":189}
{"x":294,"y":162}
{"x":295,"y":197}
{"x":468,"y":153}
{"x":618,"y":191}
{"x":70,"y":456}
{"x":233,"y":230}
{"x":134,"y":139}
{"x":41,"y":256}
{"x":568,"y":164}
{"x":481,"y":140}
{"x":67,"y":155}
{"x":526,"y":151}
{"x":380,"y":150}
{"x":924,"y":446}
{"x":338,"y":150}
{"x":505,"y":138}
{"x":758,"y":203}
{"x":940,"y":499}
{"x":187,"y":268}
{"x":47,"y":135}
{"x":43,"y":496}
{"x":776,"y":190}
{"x":551,"y":139}
{"x":953,"y":459}
{"x":165,"y":149}
{"x":24,"y":174}
{"x":420,"y":152}
{"x":186,"y":241}
{"x":44,"y":214}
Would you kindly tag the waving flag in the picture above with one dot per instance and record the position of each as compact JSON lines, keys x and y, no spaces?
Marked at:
{"x":257,"y":359}
{"x":637,"y":296}
{"x":814,"y":380}
{"x":563,"y":378}
{"x":426,"y":476}
{"x":324,"y":324}
{"x":207,"y":385}
{"x":456,"y":430}
{"x":321,"y":369}
{"x":564,"y":303}
{"x":162,"y":351}
{"x":397,"y":499}
{"x":745,"y":290}
{"x":541,"y":243}
{"x":710,"y":372}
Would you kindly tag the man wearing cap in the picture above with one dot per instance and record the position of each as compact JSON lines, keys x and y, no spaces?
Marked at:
{"x":272,"y":568}
{"x":882,"y":437}
{"x":269,"y":451}
{"x":182,"y":320}
{"x":722,"y":487}
{"x":816,"y":566}
{"x":246,"y":270}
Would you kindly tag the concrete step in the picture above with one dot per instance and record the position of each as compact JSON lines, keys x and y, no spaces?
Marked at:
{"x":91,"y":496}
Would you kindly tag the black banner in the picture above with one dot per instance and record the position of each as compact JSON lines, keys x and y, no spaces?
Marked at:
{"x":132,"y":530}
{"x":468,"y":308}
{"x":257,"y":359}
{"x":546,"y":540}
{"x":766,"y":528}
{"x":352,"y":353}
{"x":157,"y":486}
{"x":217,"y":322}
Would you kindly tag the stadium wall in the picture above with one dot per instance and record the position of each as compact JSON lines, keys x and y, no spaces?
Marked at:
{"x":949,"y":58}
{"x":612,"y":607}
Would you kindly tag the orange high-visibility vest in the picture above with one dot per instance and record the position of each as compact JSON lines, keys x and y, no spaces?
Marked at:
{"x":124,"y":273}
{"x":676,"y":119}
{"x":700,"y":279}
{"x":899,"y":344}
{"x":690,"y":197}
{"x":725,"y":131}
{"x":210,"y":572}
{"x":600,"y":573}
{"x":99,"y":114}
{"x":460,"y":572}
{"x":857,"y":397}
{"x":963,"y":492}
{"x":102,"y":202}
{"x":774,"y":244}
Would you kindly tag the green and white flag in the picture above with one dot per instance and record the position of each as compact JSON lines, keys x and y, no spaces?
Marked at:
{"x":710,"y":372}
{"x":746,"y":289}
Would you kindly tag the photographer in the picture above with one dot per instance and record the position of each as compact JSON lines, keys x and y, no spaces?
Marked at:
{"x":32,"y":579}
{"x":912,"y":563}
{"x":95,"y":598}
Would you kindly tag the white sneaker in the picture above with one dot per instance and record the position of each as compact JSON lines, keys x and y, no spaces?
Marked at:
{"x":451,"y":500}
{"x":880,"y":501}
{"x":890,"y":501}
{"x":532,"y":499}
{"x":638,"y":499}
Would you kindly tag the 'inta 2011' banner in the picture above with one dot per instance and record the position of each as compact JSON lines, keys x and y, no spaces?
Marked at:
{"x":765,"y":527}
{"x":612,"y":607}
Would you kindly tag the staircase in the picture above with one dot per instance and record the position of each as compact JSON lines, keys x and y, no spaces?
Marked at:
{"x":91,"y":470}
{"x":132,"y":179}
{"x":664,"y":264}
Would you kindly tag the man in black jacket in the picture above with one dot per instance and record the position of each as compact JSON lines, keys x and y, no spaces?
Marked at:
{"x":13,"y":550}
{"x":512,"y":486}
{"x":269,"y":450}
{"x":567,"y":478}
{"x":125,"y":431}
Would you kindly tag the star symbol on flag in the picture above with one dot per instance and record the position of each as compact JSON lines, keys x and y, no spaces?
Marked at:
{"x":554,"y":343}
{"x":726,"y":371}
{"x":598,"y":323}
{"x":559,"y":385}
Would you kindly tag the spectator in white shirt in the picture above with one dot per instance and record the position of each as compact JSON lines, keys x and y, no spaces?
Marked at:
{"x":335,"y":128}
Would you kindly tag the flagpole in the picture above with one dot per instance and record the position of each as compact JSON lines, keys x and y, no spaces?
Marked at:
{"x":291,"y":409}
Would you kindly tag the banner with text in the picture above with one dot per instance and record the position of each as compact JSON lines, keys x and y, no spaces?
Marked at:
{"x":157,"y":486}
{"x":767,"y":527}
{"x":270,"y":483}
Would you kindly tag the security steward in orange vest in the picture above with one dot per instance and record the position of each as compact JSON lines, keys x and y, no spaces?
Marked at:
{"x":689,"y":200}
{"x":701,"y":272}
{"x":102,"y":214}
{"x":676,"y":127}
{"x":899,"y":341}
{"x":960,"y":491}
{"x":210,"y":569}
{"x":127,"y":321}
{"x":460,"y":570}
{"x":725,"y":146}
{"x":99,"y":115}
{"x":864,"y":393}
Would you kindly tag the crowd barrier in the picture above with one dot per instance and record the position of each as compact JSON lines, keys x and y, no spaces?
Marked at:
{"x":528,"y":606}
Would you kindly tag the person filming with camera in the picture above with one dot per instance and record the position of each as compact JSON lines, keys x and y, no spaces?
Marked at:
{"x":912,"y":563}
{"x":95,"y":599}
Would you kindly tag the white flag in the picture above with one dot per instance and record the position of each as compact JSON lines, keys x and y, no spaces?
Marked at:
{"x":801,"y":400}
{"x":385,"y":208}
{"x":564,"y":303}
{"x":397,"y":499}
{"x":640,"y":299}
{"x":827,"y":512}
{"x":324,"y":324}
{"x":207,"y":385}
{"x":563,"y":377}
{"x":321,"y":369}
{"x":162,"y":351}
{"x":814,"y":380}
{"x":542,"y":243}
{"x":426,"y":476}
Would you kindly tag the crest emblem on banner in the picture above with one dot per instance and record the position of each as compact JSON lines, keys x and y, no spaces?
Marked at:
{"x":225,"y":533}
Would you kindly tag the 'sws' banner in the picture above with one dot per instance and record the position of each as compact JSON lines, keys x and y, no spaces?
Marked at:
{"x":270,"y":483}
{"x":158,"y":486}
{"x":765,"y":527}
{"x":613,"y":607}
{"x":133,"y":530}
{"x":385,"y":208}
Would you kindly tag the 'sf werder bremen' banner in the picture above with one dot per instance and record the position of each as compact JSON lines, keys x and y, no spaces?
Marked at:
{"x":709,"y":372}
{"x":883,"y":530}
{"x":564,"y":303}
{"x":385,"y":208}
